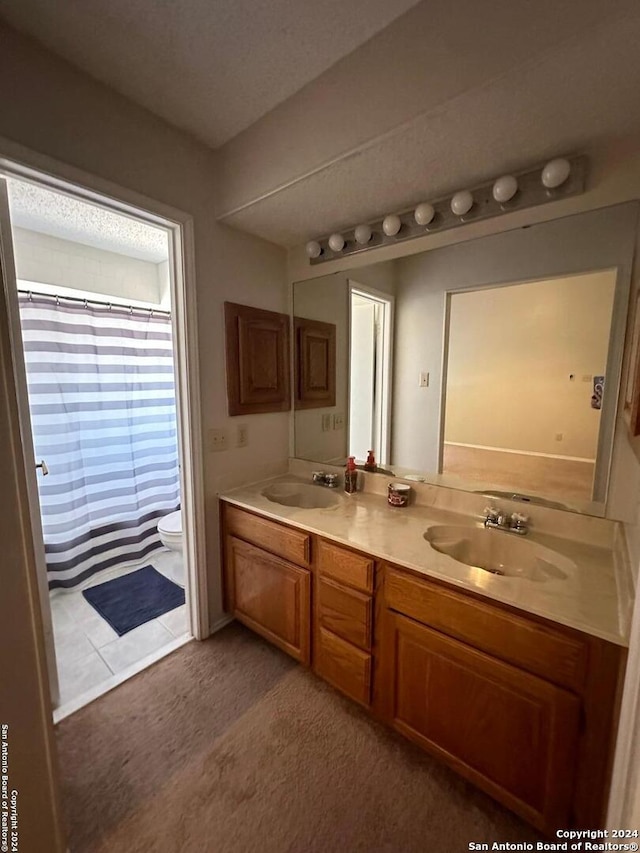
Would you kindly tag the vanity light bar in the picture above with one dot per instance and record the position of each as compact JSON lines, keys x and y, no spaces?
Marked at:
{"x":556,"y":179}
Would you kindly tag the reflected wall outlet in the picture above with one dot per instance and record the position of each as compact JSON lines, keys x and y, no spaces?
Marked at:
{"x":326,"y":423}
{"x":242,"y":435}
{"x":217,"y":439}
{"x":338,"y":421}
{"x":559,"y":436}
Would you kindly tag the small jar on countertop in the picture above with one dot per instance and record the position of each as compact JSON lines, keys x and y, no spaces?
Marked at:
{"x":398,"y":494}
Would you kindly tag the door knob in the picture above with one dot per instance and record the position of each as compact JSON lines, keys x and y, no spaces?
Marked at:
{"x":42,"y":464}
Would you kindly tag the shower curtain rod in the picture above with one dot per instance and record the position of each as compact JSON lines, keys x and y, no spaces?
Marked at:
{"x":30,"y":292}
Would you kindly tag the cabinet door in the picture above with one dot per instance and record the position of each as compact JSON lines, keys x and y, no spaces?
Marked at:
{"x":271,"y":596}
{"x":315,"y":364}
{"x":511,"y":733}
{"x":258,"y":365}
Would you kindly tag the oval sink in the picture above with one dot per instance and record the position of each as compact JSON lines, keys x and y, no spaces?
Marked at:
{"x":301,"y":495}
{"x":499,"y":553}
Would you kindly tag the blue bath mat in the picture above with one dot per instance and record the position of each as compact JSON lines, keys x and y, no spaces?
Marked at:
{"x":134,"y":599}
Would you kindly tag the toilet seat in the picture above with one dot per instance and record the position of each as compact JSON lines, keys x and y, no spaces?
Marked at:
{"x":171,"y":525}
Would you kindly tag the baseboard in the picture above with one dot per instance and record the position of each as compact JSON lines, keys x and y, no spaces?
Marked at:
{"x":220,"y":624}
{"x":520,"y":452}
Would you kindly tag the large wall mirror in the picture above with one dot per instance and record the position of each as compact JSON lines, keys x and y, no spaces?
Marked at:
{"x":491,"y":365}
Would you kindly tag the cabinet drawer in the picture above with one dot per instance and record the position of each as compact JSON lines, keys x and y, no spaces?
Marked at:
{"x":270,"y":596}
{"x":345,"y":566}
{"x":553,"y":655}
{"x":345,"y":612}
{"x":291,"y":544}
{"x":344,"y":666}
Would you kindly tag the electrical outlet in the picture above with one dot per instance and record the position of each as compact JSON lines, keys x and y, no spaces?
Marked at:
{"x":217,"y":439}
{"x":338,"y":421}
{"x":326,"y":423}
{"x":242,"y":435}
{"x":423,"y":380}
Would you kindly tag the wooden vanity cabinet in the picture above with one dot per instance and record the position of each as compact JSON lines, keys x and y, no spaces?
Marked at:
{"x":263,"y":587}
{"x":343,"y":619}
{"x":513,"y":734}
{"x":522,"y":707}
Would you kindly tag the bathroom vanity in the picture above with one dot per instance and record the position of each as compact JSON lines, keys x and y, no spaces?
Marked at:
{"x":513,"y":681}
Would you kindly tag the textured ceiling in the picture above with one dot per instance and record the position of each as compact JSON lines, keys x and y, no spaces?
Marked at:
{"x":59,"y":215}
{"x":581,"y":97}
{"x":211,"y":68}
{"x":335,"y":113}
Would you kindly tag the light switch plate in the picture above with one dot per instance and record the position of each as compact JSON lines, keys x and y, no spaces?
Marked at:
{"x":326,"y":423}
{"x":338,"y":421}
{"x":242,"y":435}
{"x":217,"y":439}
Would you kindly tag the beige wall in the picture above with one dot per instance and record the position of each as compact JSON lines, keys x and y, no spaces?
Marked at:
{"x":88,"y":127}
{"x":599,"y":239}
{"x":50,"y":260}
{"x":511,"y":353}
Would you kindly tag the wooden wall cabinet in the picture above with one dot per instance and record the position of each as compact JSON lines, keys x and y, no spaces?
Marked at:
{"x":522,"y":707}
{"x":258,"y":360}
{"x":315,"y":364}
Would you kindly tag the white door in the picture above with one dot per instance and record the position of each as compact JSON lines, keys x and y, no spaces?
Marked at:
{"x":362,"y":377}
{"x":30,"y":462}
{"x":25,"y":708}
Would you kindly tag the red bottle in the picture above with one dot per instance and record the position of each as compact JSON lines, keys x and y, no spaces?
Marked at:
{"x":370,"y":464}
{"x":351,"y":476}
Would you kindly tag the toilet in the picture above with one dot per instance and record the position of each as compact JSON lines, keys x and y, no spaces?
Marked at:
{"x":170,"y":532}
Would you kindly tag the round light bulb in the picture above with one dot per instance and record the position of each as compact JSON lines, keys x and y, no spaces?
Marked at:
{"x":313,"y":249}
{"x":555,"y":173}
{"x":391,"y":225}
{"x":363,"y":234}
{"x":505,"y":188}
{"x":424,"y":214}
{"x":336,"y":242}
{"x":462,"y":203}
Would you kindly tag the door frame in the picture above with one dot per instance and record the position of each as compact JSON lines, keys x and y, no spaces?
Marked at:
{"x":382,"y":418}
{"x":19,"y":162}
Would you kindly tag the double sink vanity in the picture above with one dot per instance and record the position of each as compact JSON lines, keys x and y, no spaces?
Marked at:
{"x":500,"y":655}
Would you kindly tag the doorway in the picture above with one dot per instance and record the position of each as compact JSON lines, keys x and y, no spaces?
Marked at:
{"x":101,"y":376}
{"x":371,"y":325}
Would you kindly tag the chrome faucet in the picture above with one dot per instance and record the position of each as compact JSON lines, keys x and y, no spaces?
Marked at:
{"x":499,"y":519}
{"x":323,"y":479}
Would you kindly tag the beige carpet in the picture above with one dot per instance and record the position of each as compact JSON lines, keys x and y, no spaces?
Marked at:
{"x":227,"y":746}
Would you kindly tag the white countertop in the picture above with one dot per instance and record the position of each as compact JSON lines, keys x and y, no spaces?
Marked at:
{"x":588,"y":599}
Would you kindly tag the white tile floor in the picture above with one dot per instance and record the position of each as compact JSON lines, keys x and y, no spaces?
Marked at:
{"x":88,"y":650}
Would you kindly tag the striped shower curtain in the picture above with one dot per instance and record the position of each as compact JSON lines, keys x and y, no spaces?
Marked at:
{"x":103,"y":414}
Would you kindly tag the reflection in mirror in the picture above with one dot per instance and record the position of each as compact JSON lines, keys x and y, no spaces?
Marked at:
{"x":491,"y":365}
{"x":525,"y":371}
{"x":371,"y":322}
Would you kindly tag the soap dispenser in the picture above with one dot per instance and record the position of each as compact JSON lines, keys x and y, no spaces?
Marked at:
{"x":351,"y":476}
{"x":370,"y":464}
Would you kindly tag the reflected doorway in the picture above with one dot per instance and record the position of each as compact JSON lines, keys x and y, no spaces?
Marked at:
{"x":371,"y":325}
